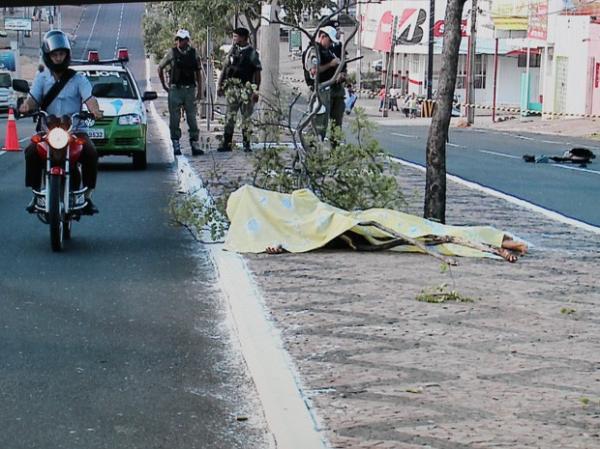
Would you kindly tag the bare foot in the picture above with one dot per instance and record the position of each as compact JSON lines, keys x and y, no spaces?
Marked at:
{"x":519,"y":247}
{"x":508,"y":256}
{"x":278,"y":249}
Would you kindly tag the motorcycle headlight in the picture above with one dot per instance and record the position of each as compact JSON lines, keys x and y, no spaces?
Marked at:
{"x":58,"y":138}
{"x":130,"y":119}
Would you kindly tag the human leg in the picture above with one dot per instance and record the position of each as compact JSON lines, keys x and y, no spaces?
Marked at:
{"x":175,"y":102}
{"x":191,"y":110}
{"x":230,"y":118}
{"x":34,"y":165}
{"x":246,"y":110}
{"x":89,"y":172}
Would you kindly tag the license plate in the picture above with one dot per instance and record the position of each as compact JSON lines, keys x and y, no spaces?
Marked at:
{"x":96,"y":133}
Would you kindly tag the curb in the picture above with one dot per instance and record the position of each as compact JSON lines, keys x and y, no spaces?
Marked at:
{"x":288,"y":412}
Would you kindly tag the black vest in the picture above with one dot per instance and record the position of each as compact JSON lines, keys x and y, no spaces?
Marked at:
{"x":240,"y":64}
{"x":184,"y":67}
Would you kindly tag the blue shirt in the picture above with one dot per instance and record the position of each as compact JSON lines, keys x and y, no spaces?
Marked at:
{"x":76,"y":92}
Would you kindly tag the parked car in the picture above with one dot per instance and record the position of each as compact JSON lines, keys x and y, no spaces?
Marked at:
{"x":377,"y":65}
{"x":8,"y":98}
{"x":122,"y":131}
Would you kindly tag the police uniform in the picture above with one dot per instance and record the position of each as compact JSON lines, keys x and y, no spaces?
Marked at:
{"x":242,"y":63}
{"x":182,"y":89}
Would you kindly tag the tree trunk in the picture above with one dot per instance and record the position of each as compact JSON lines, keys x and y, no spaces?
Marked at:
{"x":435,"y":184}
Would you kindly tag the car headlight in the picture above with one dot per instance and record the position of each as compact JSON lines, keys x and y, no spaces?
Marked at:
{"x":130,"y":119}
{"x":58,"y":138}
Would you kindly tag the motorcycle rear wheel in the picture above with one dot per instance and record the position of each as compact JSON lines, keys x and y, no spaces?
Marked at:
{"x":55,"y":213}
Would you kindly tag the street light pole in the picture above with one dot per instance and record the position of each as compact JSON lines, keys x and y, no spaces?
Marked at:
{"x":471,"y":68}
{"x":430,"y":55}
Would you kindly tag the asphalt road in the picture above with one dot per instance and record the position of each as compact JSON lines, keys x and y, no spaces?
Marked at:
{"x":120,"y":341}
{"x":494,"y":159}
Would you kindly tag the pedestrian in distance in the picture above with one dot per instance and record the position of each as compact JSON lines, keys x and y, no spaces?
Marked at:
{"x":239,"y":82}
{"x":381,"y":95}
{"x":184,"y":87}
{"x":412,"y":105}
{"x":325,"y":66}
{"x":61,"y":91}
{"x":337,"y":104}
{"x":350,"y":99}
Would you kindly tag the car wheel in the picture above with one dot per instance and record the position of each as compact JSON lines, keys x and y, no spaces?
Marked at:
{"x":139,"y":160}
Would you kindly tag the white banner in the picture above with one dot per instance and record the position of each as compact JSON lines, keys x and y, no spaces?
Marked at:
{"x":17,"y":24}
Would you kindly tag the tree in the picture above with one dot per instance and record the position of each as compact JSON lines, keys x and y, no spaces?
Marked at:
{"x":435,"y":183}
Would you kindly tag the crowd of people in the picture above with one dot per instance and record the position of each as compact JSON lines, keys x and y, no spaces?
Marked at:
{"x":408,"y":104}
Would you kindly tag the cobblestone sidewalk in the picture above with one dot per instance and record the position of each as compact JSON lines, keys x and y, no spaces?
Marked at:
{"x":518,"y":367}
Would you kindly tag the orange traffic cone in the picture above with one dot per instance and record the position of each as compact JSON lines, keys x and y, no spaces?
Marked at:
{"x":11,"y":143}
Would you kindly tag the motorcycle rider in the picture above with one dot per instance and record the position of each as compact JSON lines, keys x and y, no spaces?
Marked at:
{"x":77,"y":90}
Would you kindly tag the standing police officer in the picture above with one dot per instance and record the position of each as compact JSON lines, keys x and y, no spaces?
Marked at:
{"x":242,"y":65}
{"x":184,"y":89}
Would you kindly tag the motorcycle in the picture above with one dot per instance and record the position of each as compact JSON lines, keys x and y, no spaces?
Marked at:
{"x":60,"y":199}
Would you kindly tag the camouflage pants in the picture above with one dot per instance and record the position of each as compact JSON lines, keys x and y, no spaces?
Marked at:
{"x":233,"y":107}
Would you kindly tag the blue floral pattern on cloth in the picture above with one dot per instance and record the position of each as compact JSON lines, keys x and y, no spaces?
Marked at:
{"x":286,"y":202}
{"x":253,"y":225}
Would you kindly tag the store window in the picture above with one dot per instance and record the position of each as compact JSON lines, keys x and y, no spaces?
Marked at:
{"x":480,"y":72}
{"x":480,"y":76}
{"x":534,"y":60}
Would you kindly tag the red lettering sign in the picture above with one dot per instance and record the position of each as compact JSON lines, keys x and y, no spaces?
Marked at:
{"x":438,"y":28}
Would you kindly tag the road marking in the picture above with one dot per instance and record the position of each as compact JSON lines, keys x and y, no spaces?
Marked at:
{"x":553,"y":142}
{"x":499,"y":154}
{"x":405,"y":135}
{"x":511,"y":199}
{"x":119,"y":32}
{"x":587,"y":170}
{"x":455,"y":145}
{"x":83,"y":55}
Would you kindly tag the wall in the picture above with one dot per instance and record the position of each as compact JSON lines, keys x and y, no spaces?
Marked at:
{"x":594,"y":52}
{"x":570,"y":35}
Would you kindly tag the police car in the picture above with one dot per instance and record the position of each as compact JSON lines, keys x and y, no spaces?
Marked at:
{"x":122,"y":130}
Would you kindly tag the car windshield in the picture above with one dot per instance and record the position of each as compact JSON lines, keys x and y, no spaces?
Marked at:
{"x":5,"y":80}
{"x":110,"y":84}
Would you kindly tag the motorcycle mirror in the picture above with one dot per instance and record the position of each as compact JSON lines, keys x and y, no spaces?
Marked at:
{"x":20,"y":86}
{"x":149,"y":95}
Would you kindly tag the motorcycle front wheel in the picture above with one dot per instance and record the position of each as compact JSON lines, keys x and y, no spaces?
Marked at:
{"x":55,"y":213}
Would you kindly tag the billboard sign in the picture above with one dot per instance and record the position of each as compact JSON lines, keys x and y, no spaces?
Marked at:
{"x":538,"y":20}
{"x":412,"y":30}
{"x":17,"y":24}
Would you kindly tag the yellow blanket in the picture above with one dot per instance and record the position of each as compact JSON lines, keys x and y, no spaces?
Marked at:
{"x":300,"y":222}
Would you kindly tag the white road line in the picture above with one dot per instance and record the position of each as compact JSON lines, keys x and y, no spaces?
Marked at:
{"x":553,"y":142}
{"x":404,"y":135}
{"x":119,"y":32}
{"x":587,"y":170}
{"x":511,"y":199}
{"x":499,"y":154}
{"x":455,"y":145}
{"x":91,"y":32}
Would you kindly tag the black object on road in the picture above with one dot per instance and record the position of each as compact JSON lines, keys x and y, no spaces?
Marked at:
{"x":577,"y":155}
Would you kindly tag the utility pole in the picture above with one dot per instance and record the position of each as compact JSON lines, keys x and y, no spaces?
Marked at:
{"x":269,"y":52}
{"x":359,"y":47}
{"x":471,"y":68}
{"x":430,"y":55}
{"x":210,"y":85}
